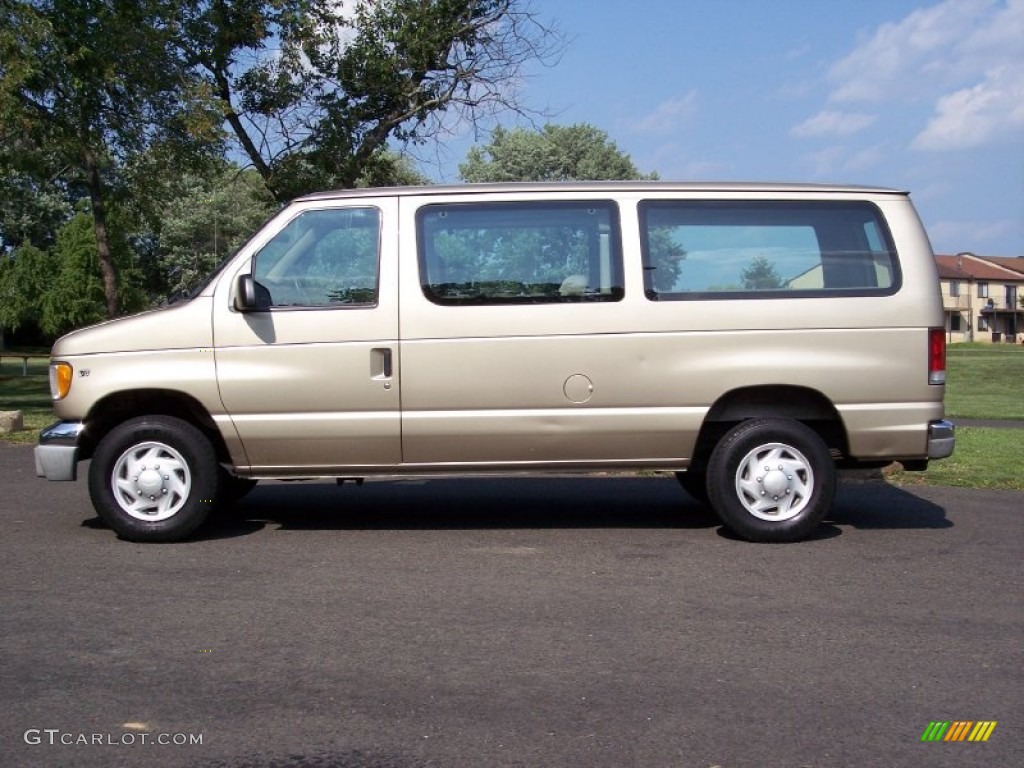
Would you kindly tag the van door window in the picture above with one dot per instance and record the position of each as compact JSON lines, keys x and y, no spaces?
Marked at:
{"x":520,"y":253}
{"x":322,"y":258}
{"x":724,"y":249}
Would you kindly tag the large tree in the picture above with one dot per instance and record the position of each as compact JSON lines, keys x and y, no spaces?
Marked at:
{"x":314,"y":90}
{"x":84,"y":85}
{"x":102,"y":99}
{"x":31,"y":209}
{"x":74,"y":295}
{"x":203,"y":219}
{"x":579,"y":152}
{"x":25,"y":276}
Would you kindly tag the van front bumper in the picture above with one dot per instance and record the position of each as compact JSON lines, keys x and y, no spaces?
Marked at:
{"x":57,"y":452}
{"x":941,"y":439}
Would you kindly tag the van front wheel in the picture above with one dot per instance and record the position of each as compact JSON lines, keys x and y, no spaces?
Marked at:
{"x":154,"y":478}
{"x":771,"y":480}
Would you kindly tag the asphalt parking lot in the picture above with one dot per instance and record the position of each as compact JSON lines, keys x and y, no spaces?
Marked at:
{"x":527,"y":621}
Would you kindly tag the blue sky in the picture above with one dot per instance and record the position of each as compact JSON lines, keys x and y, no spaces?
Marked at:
{"x":925,"y":96}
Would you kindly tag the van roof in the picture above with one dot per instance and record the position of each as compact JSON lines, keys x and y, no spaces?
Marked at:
{"x":603,"y":186}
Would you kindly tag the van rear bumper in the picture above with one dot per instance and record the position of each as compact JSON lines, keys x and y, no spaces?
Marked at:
{"x":941,"y":439}
{"x":57,"y":453}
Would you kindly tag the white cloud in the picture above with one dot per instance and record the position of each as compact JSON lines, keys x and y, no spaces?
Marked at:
{"x":998,"y":39}
{"x":974,"y":116}
{"x":668,"y":117}
{"x":953,"y":71}
{"x":833,"y":123}
{"x":893,"y":60}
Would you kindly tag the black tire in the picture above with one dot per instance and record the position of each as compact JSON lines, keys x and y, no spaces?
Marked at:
{"x":161,"y":457}
{"x":787,"y":499}
{"x":695,"y":482}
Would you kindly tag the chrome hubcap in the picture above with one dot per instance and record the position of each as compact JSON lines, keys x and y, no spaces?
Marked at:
{"x":151,"y":481}
{"x":774,"y":482}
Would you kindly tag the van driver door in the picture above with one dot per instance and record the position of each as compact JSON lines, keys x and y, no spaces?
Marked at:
{"x":308,"y":364}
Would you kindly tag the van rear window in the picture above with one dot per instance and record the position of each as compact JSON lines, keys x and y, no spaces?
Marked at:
{"x":725,"y":249}
{"x":520,"y":253}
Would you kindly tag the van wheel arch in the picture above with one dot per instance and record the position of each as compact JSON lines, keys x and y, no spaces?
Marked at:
{"x":118,"y":407}
{"x":802,"y":404}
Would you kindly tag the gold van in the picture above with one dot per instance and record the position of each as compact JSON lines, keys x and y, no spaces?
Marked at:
{"x":753,"y":338}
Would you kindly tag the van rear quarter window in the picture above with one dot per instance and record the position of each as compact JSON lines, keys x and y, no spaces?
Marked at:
{"x":520,"y":253}
{"x":727,"y":249}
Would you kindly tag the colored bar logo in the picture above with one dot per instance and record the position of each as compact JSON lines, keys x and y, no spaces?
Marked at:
{"x":959,"y":730}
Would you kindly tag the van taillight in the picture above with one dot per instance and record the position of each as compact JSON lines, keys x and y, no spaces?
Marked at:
{"x":936,"y":356}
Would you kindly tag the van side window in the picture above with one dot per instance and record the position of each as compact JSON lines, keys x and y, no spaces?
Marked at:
{"x":325,"y":258}
{"x":702,"y":250}
{"x":520,"y":253}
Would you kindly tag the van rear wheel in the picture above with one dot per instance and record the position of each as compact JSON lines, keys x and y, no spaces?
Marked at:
{"x":154,"y":478}
{"x":771,"y":480}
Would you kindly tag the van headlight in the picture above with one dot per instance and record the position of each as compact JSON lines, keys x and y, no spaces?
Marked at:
{"x":60,"y":380}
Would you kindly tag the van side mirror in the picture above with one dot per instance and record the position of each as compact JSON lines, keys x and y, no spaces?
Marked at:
{"x":245,"y":294}
{"x":250,"y":296}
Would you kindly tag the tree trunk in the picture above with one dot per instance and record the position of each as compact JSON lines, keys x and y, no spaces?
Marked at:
{"x":99,"y":219}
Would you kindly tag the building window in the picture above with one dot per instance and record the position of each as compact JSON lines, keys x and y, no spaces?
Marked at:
{"x":1011,"y":296}
{"x":982,"y":290}
{"x":955,"y":322}
{"x":954,"y":288}
{"x":983,"y":323}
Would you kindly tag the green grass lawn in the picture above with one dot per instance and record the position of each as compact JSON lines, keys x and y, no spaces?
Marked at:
{"x":986,"y":381}
{"x":985,"y":457}
{"x":28,"y":394}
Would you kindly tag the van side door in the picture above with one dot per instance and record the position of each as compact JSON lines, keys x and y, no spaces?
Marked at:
{"x":518,"y":347}
{"x":309,"y":373}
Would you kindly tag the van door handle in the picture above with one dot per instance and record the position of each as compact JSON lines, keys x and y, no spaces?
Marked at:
{"x":380,"y":363}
